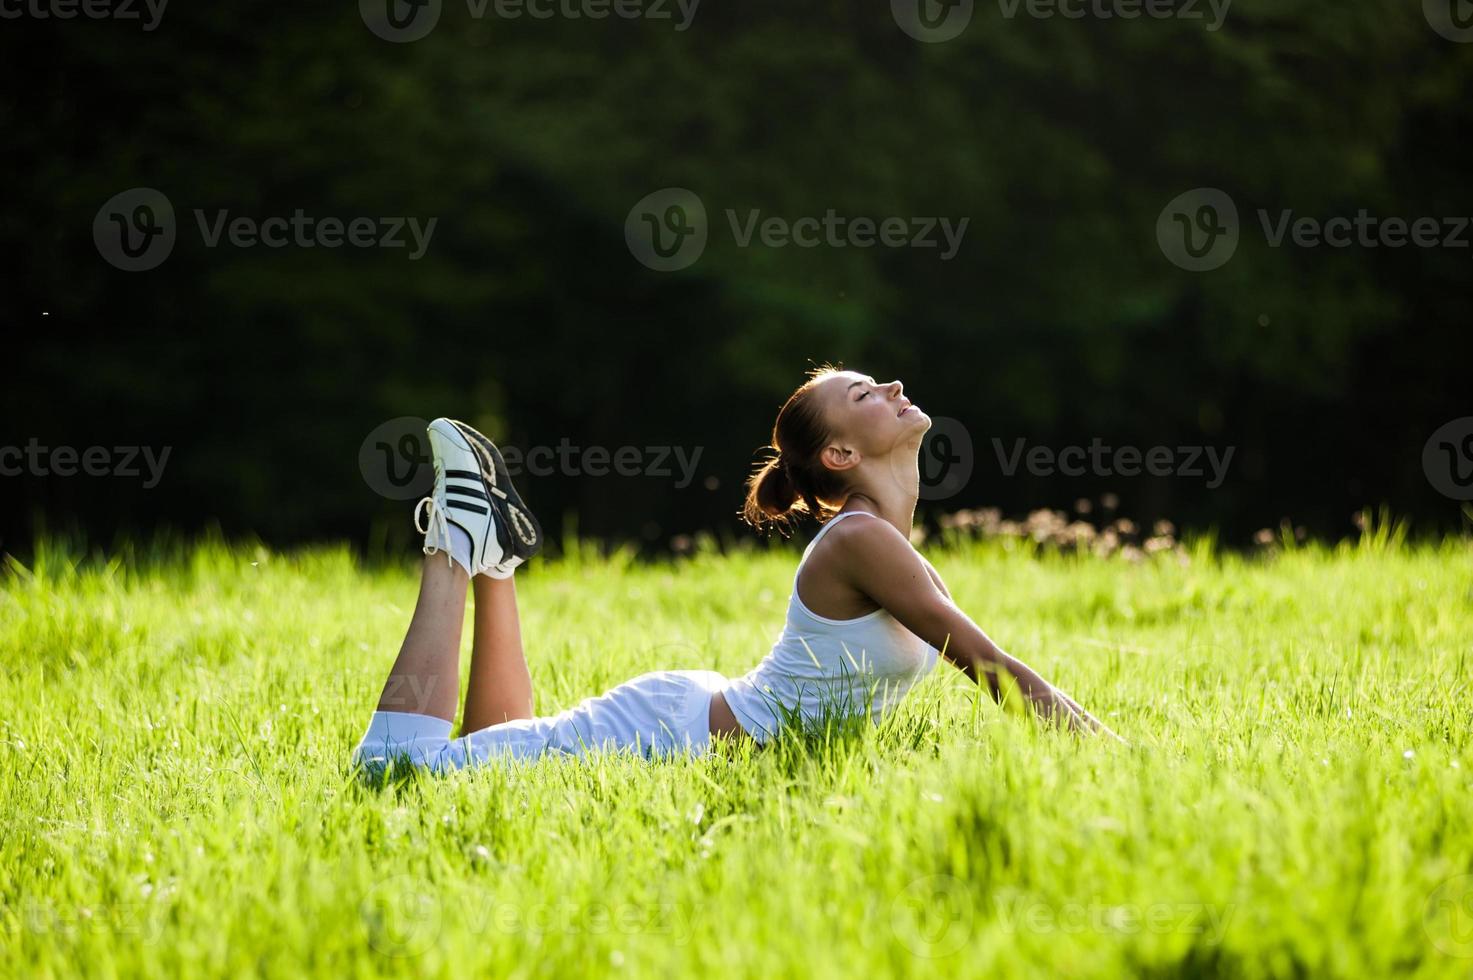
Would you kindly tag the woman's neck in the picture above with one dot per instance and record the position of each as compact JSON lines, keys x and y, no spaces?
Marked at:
{"x":892,"y":498}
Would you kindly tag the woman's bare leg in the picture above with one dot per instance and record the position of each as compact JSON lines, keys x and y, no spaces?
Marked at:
{"x":426,"y":676}
{"x":500,"y":686}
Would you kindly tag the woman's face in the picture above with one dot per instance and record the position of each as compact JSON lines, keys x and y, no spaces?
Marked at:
{"x":870,"y":417}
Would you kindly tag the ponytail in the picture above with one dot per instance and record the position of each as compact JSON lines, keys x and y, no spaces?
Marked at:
{"x":771,"y":495}
{"x":793,"y":480}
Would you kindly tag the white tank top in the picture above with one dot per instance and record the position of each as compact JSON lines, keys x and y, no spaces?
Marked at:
{"x":835,"y":666}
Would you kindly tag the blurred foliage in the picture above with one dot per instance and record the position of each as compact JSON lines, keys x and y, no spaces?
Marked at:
{"x":1059,"y":320}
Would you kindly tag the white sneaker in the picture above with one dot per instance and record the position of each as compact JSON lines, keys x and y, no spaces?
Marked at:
{"x":517,"y":528}
{"x":473,"y":490}
{"x":461,"y":497}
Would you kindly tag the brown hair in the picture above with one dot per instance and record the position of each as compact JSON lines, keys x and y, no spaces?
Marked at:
{"x":795,"y":481}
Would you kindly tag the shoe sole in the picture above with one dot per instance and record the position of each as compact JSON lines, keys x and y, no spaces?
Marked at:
{"x":521,"y":524}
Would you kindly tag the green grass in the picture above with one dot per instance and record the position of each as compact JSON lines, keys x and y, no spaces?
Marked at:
{"x":174,"y":798}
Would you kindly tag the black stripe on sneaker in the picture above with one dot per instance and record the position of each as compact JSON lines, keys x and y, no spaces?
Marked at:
{"x":464,"y":492}
{"x":462,"y":505}
{"x":464,"y":474}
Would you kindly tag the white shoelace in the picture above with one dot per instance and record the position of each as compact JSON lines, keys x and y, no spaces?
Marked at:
{"x":435,"y":520}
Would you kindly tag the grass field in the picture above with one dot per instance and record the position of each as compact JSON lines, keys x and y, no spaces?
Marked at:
{"x":1297,"y":800}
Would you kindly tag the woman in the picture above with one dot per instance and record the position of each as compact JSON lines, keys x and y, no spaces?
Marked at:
{"x":868,"y":616}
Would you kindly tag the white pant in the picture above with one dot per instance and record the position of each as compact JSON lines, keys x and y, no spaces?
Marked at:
{"x":655,"y":714}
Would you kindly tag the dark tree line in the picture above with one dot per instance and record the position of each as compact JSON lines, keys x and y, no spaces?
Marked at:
{"x":1060,"y":320}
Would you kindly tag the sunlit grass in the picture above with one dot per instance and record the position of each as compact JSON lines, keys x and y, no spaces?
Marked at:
{"x":174,"y":797}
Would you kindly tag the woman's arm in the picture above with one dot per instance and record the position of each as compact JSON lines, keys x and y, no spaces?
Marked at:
{"x":881,"y":563}
{"x":935,"y":575}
